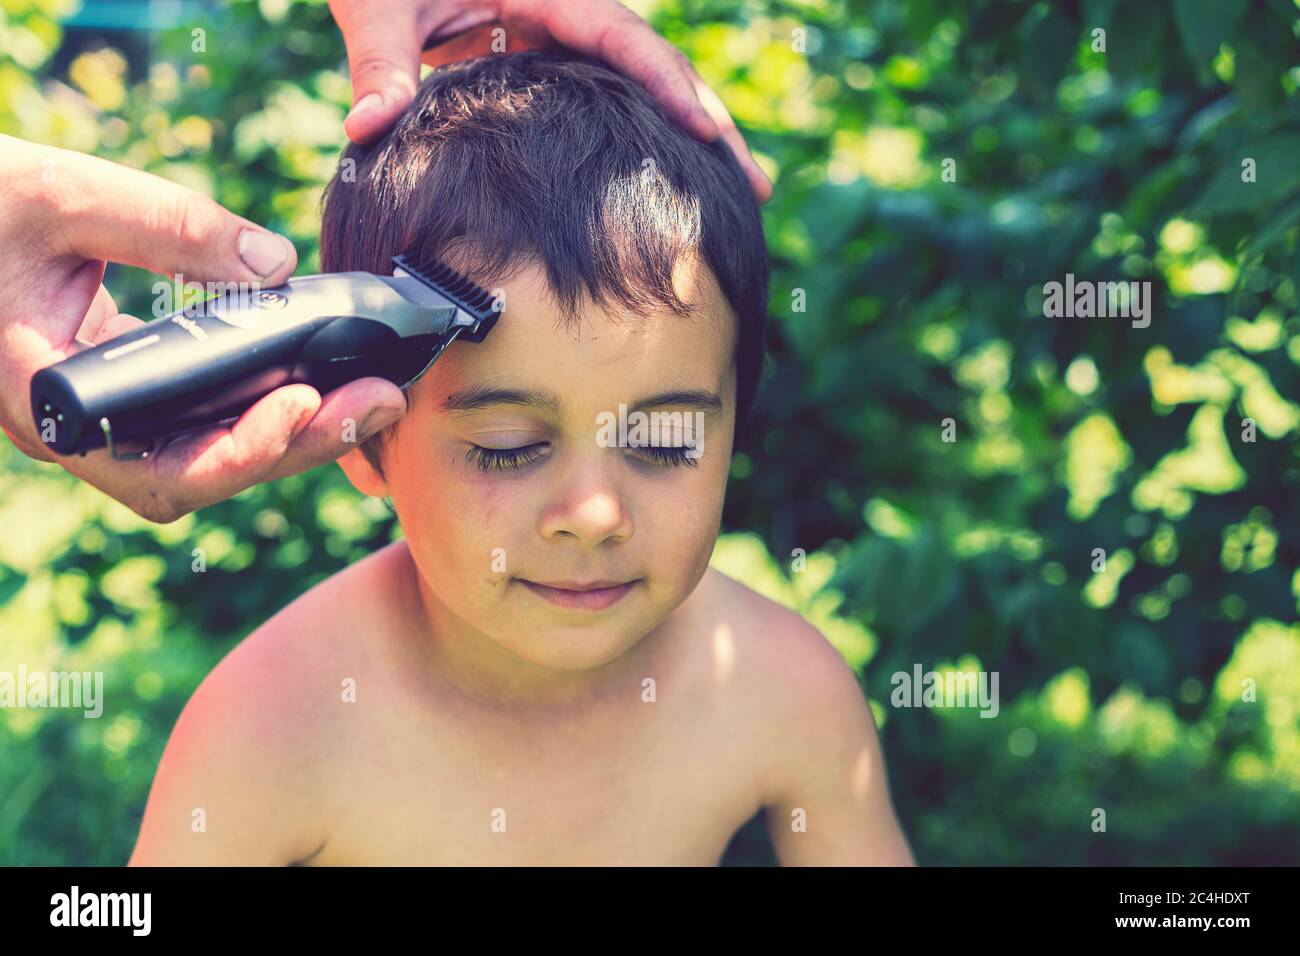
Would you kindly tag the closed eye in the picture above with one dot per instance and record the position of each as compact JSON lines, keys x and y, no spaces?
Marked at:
{"x":504,"y":459}
{"x":514,"y":459}
{"x":668,"y":456}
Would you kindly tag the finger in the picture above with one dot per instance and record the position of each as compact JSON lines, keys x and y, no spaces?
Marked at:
{"x":101,"y":210}
{"x":116,"y":325}
{"x":342,"y":422}
{"x":288,"y":431}
{"x":481,"y":38}
{"x":102,"y":308}
{"x":383,"y":46}
{"x":217,"y":463}
{"x":44,"y":336}
{"x":612,"y":33}
{"x":762,"y":186}
{"x":38,"y":450}
{"x":204,"y":467}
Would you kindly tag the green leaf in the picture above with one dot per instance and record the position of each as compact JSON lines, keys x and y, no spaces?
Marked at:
{"x":1203,"y":26}
{"x":1049,"y":42}
{"x":1265,"y":49}
{"x":1274,"y":229}
{"x":11,"y":582}
{"x":1134,"y":40}
{"x":1277,"y":175}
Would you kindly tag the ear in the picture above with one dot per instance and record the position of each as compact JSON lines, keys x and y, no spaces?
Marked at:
{"x":363,"y":476}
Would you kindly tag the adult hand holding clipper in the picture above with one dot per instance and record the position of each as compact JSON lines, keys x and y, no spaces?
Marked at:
{"x":63,"y":215}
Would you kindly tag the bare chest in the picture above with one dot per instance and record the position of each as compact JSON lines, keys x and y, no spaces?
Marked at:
{"x":643,"y":786}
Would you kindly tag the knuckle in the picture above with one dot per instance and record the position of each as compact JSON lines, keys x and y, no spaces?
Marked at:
{"x":615,"y":41}
{"x":44,"y":193}
{"x":158,"y":508}
{"x":194,"y":220}
{"x":372,"y":63}
{"x":33,"y":194}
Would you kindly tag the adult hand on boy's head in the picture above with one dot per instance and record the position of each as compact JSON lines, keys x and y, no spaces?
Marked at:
{"x":63,"y":215}
{"x":385,"y":39}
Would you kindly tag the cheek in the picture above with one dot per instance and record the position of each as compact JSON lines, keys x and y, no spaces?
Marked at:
{"x":470,"y":499}
{"x":485,"y":497}
{"x":684,"y":523}
{"x":485,"y":511}
{"x":458,"y":506}
{"x":488,"y":500}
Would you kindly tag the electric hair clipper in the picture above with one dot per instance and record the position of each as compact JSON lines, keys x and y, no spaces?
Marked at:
{"x":209,"y":362}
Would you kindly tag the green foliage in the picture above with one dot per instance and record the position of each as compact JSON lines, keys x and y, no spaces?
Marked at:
{"x":1122,"y":689}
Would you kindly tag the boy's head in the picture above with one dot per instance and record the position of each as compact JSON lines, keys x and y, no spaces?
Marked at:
{"x":632,"y":265}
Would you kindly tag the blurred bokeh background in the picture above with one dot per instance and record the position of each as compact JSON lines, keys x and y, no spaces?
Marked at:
{"x":1164,"y":690}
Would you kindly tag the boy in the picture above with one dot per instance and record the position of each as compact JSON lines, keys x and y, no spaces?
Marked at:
{"x":544,"y":670}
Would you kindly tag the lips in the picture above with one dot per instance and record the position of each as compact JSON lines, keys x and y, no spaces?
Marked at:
{"x":577,"y":586}
{"x":583,"y":595}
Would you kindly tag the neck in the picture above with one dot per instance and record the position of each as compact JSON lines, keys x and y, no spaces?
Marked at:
{"x":481,"y":670}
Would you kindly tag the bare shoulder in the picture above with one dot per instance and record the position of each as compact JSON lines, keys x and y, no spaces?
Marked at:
{"x":297,"y":664}
{"x":788,"y":680}
{"x":243,"y":778}
{"x":785,"y":658}
{"x":814,"y":742}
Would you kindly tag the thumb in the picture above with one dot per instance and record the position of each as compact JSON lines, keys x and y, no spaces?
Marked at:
{"x":105,"y":211}
{"x":383,"y":45}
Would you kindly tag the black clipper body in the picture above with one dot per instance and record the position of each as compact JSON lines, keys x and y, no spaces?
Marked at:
{"x":210,"y":362}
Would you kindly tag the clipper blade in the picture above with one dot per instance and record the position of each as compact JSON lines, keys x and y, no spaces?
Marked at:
{"x":468,"y":295}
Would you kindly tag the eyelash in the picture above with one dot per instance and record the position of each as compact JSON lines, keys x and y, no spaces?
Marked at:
{"x":513,"y":459}
{"x":666,"y":456}
{"x":502,"y":459}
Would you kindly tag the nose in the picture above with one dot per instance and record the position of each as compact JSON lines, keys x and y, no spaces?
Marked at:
{"x":590,"y":506}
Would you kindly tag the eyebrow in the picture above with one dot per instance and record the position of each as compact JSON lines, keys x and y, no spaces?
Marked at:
{"x":484,"y":396}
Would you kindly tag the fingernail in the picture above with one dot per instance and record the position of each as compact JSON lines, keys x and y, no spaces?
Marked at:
{"x":369,"y":101}
{"x":262,"y":252}
{"x":381,"y":417}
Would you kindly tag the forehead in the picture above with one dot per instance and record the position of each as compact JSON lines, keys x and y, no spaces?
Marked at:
{"x":604,"y":354}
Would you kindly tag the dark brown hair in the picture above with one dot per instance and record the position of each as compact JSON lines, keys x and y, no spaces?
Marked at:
{"x":556,"y":159}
